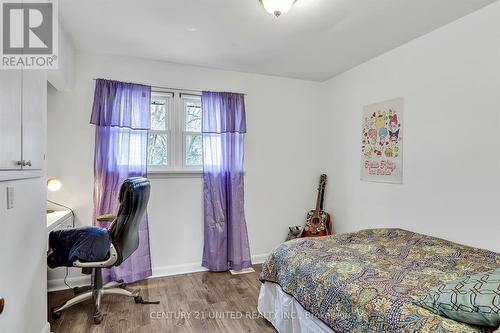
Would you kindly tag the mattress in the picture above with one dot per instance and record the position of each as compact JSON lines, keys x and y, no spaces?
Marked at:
{"x":285,"y":313}
{"x":366,"y":281}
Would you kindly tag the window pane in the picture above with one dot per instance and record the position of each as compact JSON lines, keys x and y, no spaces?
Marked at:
{"x":158,"y":149}
{"x":192,"y":109}
{"x":159,"y":113}
{"x":130,"y":151}
{"x":193,"y":150}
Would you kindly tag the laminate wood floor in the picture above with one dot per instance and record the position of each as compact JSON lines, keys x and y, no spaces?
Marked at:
{"x":197,"y":302}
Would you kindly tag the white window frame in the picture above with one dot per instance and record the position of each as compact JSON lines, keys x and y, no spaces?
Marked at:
{"x":186,"y":133}
{"x":177,"y":150}
{"x":168,"y":131}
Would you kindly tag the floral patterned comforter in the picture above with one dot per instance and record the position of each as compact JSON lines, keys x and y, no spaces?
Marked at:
{"x":366,"y":281}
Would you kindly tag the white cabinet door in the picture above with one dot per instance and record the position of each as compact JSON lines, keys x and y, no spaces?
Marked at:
{"x":34,"y":118}
{"x":23,"y":277}
{"x":10,"y":119}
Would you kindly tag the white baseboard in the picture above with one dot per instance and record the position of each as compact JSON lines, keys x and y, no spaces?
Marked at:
{"x":194,"y":267}
{"x":46,"y":328}
{"x":73,"y":281}
{"x":82,"y":280}
{"x":259,"y":258}
{"x":170,"y":270}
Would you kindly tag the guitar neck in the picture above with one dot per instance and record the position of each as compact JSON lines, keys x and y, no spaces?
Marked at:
{"x":319,"y":198}
{"x":321,"y":193}
{"x":321,"y":202}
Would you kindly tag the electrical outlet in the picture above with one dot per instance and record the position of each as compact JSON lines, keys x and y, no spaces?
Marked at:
{"x":10,"y":197}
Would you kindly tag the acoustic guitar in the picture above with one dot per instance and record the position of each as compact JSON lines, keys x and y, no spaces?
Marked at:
{"x":318,"y":222}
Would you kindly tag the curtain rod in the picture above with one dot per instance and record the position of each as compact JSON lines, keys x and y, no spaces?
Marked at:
{"x":167,"y":88}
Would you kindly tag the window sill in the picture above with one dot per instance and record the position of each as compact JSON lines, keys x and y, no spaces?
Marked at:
{"x":175,"y":174}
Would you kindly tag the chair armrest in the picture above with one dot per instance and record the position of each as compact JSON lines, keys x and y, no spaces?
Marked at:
{"x":113,"y":258}
{"x":106,"y":218}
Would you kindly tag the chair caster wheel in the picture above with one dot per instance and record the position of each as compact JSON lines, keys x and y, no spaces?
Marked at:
{"x":56,"y":315}
{"x":97,"y":319}
{"x":138,"y":299}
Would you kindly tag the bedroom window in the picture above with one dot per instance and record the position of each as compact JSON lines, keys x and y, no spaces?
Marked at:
{"x":175,"y":142}
{"x":192,"y":131}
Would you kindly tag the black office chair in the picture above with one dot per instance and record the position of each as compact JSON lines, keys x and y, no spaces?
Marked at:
{"x":134,"y":196}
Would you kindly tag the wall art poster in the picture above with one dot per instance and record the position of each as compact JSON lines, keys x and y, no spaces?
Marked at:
{"x":382,"y":142}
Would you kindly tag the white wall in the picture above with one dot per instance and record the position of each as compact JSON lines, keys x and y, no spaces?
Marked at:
{"x":63,"y":77}
{"x":450,"y":80}
{"x":280,"y":157}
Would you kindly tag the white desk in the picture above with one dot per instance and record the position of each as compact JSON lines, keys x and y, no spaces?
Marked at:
{"x":58,"y":219}
{"x":61,"y":218}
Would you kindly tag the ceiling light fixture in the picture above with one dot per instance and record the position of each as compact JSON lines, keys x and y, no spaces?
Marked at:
{"x":277,"y":7}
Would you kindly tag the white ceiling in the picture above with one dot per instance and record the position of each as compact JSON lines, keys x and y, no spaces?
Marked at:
{"x":316,"y":40}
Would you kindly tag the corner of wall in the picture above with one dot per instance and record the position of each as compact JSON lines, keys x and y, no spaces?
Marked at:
{"x":63,"y":78}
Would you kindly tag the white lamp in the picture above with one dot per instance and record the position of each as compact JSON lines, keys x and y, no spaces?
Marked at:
{"x":277,"y":7}
{"x":53,"y":184}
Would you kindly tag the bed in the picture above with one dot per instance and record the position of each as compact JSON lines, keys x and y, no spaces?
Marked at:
{"x":364,"y":282}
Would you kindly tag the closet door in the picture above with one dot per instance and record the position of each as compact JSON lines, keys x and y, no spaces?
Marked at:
{"x":10,"y":119}
{"x":34,"y":107}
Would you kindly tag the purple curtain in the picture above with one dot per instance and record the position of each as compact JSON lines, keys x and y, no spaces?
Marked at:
{"x":121,"y":113}
{"x":223,"y":128}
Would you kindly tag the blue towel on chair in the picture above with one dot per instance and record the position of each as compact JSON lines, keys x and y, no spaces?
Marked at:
{"x":84,"y":244}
